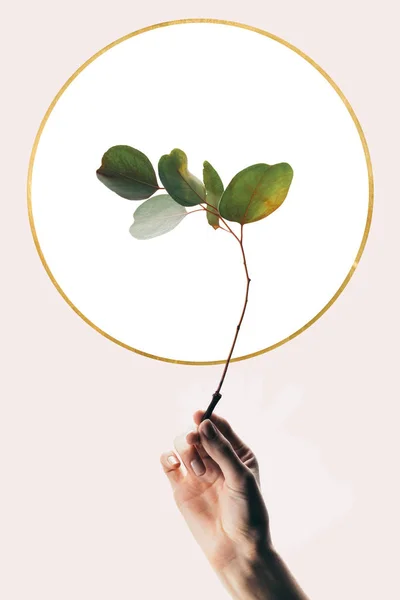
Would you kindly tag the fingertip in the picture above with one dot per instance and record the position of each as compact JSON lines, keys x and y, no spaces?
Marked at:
{"x":192,"y":438}
{"x":169,"y":460}
{"x":208,"y":429}
{"x":198,"y":467}
{"x":173,"y":461}
{"x":171,"y":466}
{"x":198,"y":415}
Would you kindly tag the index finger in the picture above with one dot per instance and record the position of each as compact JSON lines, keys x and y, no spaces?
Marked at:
{"x":225,"y":428}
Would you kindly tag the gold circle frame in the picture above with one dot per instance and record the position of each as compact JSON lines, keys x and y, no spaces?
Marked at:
{"x":353,"y":116}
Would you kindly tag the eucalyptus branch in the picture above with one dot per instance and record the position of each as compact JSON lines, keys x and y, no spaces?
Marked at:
{"x":252,"y":194}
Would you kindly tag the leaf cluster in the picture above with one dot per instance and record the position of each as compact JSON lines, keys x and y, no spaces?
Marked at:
{"x":253,"y":193}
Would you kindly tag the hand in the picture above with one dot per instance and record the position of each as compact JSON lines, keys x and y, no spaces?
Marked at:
{"x":220,"y":498}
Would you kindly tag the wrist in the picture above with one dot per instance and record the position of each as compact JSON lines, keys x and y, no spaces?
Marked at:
{"x":245,"y":577}
{"x":260,"y":575}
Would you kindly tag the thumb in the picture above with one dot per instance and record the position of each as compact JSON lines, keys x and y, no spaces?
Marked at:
{"x":222,"y":452}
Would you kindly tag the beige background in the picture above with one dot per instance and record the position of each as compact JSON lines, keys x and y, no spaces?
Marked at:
{"x":84,"y":510}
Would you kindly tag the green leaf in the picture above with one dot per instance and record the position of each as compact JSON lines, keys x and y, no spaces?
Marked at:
{"x":256,"y":192}
{"x":214,"y":190}
{"x":128,"y":172}
{"x":156,"y":216}
{"x":181,"y":185}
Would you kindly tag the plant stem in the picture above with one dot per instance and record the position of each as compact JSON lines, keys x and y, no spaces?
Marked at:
{"x":223,"y":220}
{"x":217,"y":395}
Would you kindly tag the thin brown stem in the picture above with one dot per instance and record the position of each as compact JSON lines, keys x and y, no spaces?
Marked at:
{"x":217,"y":394}
{"x":213,"y":213}
{"x":189,"y":212}
{"x":217,"y":213}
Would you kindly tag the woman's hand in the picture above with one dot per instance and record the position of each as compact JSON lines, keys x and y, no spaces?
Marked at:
{"x":220,"y":498}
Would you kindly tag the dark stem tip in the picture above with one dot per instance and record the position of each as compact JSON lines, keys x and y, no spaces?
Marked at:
{"x":216,"y":397}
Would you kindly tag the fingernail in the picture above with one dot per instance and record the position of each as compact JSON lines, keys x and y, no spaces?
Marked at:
{"x":173,"y":460}
{"x":197,"y":467}
{"x":209,"y":429}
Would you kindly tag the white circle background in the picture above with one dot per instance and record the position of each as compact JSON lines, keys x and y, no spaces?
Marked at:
{"x":233,"y":97}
